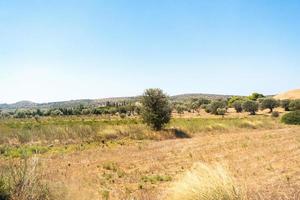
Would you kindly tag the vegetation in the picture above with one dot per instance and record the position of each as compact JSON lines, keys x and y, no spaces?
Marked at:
{"x":291,"y":118}
{"x":255,"y":96}
{"x":22,"y":181}
{"x":237,"y":105}
{"x":294,"y":105}
{"x":156,"y":111}
{"x":285,"y":104}
{"x":250,"y":106}
{"x":215,"y":105}
{"x":269,"y":103}
{"x":204,"y":182}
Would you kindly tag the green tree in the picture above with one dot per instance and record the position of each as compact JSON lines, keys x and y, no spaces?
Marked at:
{"x":285,"y":104}
{"x":217,"y":104}
{"x":237,"y":105}
{"x":234,"y":99}
{"x":250,"y":106}
{"x":269,"y":103}
{"x":295,"y":105}
{"x":156,"y":110}
{"x":254,"y":96}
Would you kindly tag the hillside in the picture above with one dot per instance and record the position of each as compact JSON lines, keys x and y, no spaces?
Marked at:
{"x":292,"y":94}
{"x":99,"y":102}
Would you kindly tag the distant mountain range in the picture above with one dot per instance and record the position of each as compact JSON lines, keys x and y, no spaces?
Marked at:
{"x":100,"y":102}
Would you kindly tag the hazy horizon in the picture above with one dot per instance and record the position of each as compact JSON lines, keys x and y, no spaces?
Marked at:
{"x":69,"y":50}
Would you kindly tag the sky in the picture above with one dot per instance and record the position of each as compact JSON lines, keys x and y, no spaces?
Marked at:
{"x":72,"y":49}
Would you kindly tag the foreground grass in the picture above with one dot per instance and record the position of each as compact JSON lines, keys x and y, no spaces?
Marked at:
{"x":62,"y":134}
{"x":205,"y":182}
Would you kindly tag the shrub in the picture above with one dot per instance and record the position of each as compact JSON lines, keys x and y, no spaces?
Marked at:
{"x":221,"y":111}
{"x":291,"y":118}
{"x":275,"y":114}
{"x":250,"y":106}
{"x":156,"y":110}
{"x":180,"y":108}
{"x":122,"y":115}
{"x":285,"y":104}
{"x":22,"y":182}
{"x":56,"y":113}
{"x":237,"y":105}
{"x":269,"y":103}
{"x":205,"y":183}
{"x":294,"y":105}
{"x":215,"y":105}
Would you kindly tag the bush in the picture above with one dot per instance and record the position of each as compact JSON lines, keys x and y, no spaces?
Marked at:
{"x":156,"y":110}
{"x":285,"y":104}
{"x":22,"y":182}
{"x":250,"y":106}
{"x":291,"y":118}
{"x":237,"y":105}
{"x":215,"y":105}
{"x":205,"y":183}
{"x":294,"y":105}
{"x":275,"y":114}
{"x":221,"y":111}
{"x":269,"y":103}
{"x":122,"y":115}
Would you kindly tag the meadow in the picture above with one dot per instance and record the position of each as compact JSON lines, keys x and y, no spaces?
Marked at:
{"x":109,"y":157}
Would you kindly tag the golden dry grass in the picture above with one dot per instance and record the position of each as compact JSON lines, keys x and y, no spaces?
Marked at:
{"x":292,"y":94}
{"x":205,"y":182}
{"x":266,"y":163}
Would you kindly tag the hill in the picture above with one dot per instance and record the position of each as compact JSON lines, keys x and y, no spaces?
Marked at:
{"x":292,"y":94}
{"x":100,"y":102}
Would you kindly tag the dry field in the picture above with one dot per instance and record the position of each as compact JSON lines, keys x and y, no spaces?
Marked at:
{"x":262,"y":156}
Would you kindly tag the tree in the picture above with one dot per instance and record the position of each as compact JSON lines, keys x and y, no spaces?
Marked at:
{"x":269,"y":103}
{"x":295,"y":105}
{"x":217,"y":104}
{"x":250,"y":106}
{"x":234,"y":99}
{"x":254,"y":96}
{"x":237,"y":105}
{"x":285,"y":104}
{"x":156,"y":110}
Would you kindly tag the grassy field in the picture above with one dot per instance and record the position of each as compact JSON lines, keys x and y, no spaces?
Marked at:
{"x":114,"y":158}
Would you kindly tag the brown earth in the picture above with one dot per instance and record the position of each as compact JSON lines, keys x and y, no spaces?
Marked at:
{"x":265,"y":163}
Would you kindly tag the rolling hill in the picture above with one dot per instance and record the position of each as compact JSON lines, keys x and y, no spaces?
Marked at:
{"x":291,"y":94}
{"x":100,"y":102}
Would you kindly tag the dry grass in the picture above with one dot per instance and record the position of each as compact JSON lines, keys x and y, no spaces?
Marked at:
{"x":292,"y":94}
{"x":205,"y":182}
{"x":22,"y":181}
{"x":262,"y":155}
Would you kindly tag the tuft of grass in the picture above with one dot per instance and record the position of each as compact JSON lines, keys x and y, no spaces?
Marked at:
{"x":205,"y":182}
{"x":153,"y":179}
{"x":22,"y":181}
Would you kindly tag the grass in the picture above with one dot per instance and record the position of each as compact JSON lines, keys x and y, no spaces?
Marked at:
{"x":123,"y":159}
{"x":205,"y":182}
{"x":22,"y":181}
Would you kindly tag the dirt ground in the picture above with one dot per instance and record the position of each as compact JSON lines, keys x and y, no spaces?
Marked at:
{"x":266,"y":164}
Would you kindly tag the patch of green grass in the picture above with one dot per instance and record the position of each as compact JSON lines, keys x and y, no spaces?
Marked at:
{"x":153,"y":179}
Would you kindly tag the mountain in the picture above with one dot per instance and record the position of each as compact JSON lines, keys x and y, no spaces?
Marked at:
{"x":292,"y":94}
{"x":101,"y":102}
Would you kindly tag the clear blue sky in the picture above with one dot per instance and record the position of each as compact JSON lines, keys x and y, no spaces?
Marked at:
{"x":72,"y":49}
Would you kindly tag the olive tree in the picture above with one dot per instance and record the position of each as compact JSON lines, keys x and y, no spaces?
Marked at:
{"x":156,"y":109}
{"x":295,"y":105}
{"x":250,"y":106}
{"x":237,"y":105}
{"x":285,"y":103}
{"x":269,"y":103}
{"x":217,"y":104}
